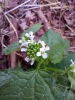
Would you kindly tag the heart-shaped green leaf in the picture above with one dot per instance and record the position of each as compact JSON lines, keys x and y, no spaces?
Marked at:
{"x":33,"y":85}
{"x":59,"y":47}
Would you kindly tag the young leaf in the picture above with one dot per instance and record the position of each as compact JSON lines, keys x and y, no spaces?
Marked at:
{"x":12,"y":48}
{"x":33,"y":28}
{"x":59,"y":47}
{"x":33,"y":85}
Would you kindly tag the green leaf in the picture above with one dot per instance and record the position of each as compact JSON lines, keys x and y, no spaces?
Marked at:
{"x":12,"y":48}
{"x":59,"y":47}
{"x":56,"y":53}
{"x":71,"y":78}
{"x":33,"y":85}
{"x":33,"y":28}
{"x":63,"y":65}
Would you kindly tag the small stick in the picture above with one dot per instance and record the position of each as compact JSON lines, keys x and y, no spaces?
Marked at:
{"x":40,"y":5}
{"x":11,"y":25}
{"x":72,"y":47}
{"x":70,"y":29}
{"x":30,"y":6}
{"x":17,"y":6}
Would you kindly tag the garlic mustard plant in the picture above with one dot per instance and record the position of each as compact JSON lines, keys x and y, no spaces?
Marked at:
{"x":33,"y":48}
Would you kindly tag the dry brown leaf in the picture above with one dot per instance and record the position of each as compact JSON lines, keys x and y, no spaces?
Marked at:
{"x":69,"y":21}
{"x":30,"y":15}
{"x":11,"y":3}
{"x":23,"y":25}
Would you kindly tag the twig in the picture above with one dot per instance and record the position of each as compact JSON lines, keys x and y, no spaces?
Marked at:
{"x":40,"y":5}
{"x":72,"y":47}
{"x":18,"y":54}
{"x":70,"y":29}
{"x":17,"y":6}
{"x":11,"y":25}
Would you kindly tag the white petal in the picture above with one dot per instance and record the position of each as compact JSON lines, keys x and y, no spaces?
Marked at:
{"x":24,"y":44}
{"x":23,"y":49}
{"x":74,"y":70}
{"x":27,"y":34}
{"x":47,"y":48}
{"x":23,"y":38}
{"x":20,"y":41}
{"x":28,"y":41}
{"x":32,"y":37}
{"x":31,"y":33}
{"x":42,"y":49}
{"x":39,"y":41}
{"x":43,"y":43}
{"x":72,"y":62}
{"x":27,"y":59}
{"x":38,"y":54}
{"x":44,"y":55}
{"x":32,"y":62}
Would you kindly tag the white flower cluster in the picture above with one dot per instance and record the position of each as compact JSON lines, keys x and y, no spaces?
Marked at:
{"x":28,"y":38}
{"x":33,"y":48}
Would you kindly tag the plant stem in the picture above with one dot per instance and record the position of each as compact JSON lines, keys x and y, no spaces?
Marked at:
{"x":39,"y":64}
{"x":55,"y":70}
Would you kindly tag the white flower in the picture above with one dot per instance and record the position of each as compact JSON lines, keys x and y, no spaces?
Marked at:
{"x":24,"y":44}
{"x":23,"y":39}
{"x":43,"y":50}
{"x":27,"y":59}
{"x":72,"y":62}
{"x":30,"y":35}
{"x":20,"y":41}
{"x":44,"y":55}
{"x":72,"y":66}
{"x":23,"y":49}
{"x":47,"y":48}
{"x":27,"y":35}
{"x":31,"y":60}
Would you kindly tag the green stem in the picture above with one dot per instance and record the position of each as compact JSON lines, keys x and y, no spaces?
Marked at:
{"x":39,"y":64}
{"x":55,"y":70}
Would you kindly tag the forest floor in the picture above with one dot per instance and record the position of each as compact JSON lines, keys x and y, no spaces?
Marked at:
{"x":18,"y":15}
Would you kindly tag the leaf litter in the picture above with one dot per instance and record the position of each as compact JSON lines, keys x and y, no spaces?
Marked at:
{"x":17,"y":16}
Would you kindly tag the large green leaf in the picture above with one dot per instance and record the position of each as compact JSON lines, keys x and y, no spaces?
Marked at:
{"x":12,"y":48}
{"x":59,"y":47}
{"x":33,"y":85}
{"x":33,"y":28}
